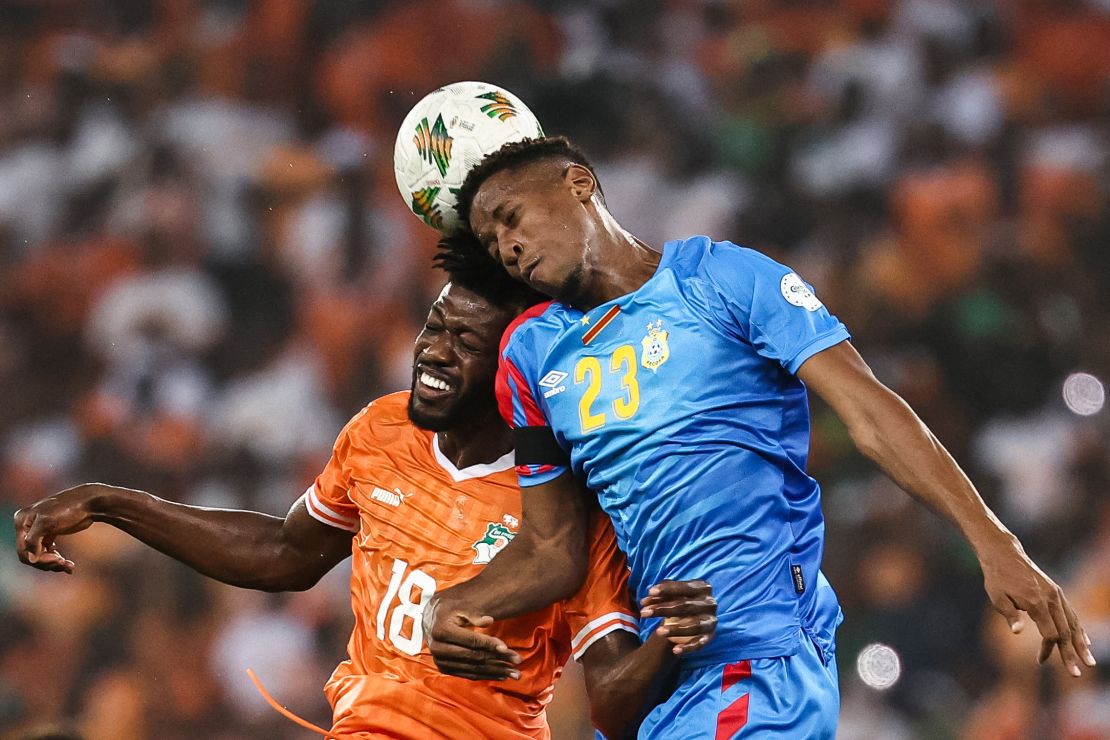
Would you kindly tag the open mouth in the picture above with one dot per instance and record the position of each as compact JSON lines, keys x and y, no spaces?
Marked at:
{"x":429,"y":384}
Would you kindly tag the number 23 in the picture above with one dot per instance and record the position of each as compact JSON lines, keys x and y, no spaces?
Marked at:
{"x":588,"y":370}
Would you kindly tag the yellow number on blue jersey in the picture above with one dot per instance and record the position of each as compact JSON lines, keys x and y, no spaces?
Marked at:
{"x":591,"y":368}
{"x":588,"y":370}
{"x":626,"y":356}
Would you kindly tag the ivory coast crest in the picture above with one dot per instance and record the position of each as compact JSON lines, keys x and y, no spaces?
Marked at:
{"x":655,"y":348}
{"x":498,"y":535}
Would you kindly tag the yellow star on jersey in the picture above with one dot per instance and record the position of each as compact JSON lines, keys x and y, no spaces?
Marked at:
{"x":585,"y":321}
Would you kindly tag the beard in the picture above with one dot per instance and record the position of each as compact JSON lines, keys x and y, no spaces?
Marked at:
{"x":465,"y":410}
{"x":431,"y":421}
{"x":572,"y":292}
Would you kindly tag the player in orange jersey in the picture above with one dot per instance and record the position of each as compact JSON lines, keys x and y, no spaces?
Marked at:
{"x":419,"y":510}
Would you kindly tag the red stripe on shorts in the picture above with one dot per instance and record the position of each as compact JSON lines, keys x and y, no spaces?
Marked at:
{"x":735,"y":715}
{"x":734,"y":673}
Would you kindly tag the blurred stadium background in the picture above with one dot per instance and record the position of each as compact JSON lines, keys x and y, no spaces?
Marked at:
{"x":205,"y":268}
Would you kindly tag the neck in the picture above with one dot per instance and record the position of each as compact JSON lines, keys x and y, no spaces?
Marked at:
{"x":616,"y":263}
{"x":483,"y":440}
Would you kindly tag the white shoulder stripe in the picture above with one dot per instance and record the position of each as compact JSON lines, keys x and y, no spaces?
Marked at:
{"x":322,"y":513}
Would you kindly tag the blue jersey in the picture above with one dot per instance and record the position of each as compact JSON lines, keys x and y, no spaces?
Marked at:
{"x":679,"y":406}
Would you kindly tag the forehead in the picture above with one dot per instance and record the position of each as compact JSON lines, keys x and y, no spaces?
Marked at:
{"x":468,"y":310}
{"x":520,"y":181}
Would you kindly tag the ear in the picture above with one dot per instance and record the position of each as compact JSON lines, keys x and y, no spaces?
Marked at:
{"x":582,"y":182}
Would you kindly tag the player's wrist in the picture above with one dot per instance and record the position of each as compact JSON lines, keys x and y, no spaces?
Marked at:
{"x":660,"y":644}
{"x":440,"y":604}
{"x":1000,"y":557}
{"x":993,"y":540}
{"x":104,"y":503}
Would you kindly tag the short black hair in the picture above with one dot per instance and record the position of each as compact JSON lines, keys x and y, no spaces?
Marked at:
{"x":515,"y":154}
{"x":470,"y":266}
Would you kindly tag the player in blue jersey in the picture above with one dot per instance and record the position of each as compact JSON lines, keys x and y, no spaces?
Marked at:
{"x":673,"y":383}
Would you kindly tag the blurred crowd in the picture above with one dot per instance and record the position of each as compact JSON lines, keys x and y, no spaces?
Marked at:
{"x":206,"y":268}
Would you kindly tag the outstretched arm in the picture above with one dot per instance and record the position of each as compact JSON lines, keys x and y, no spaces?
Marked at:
{"x":544,"y":563}
{"x":624,"y":678}
{"x":887,"y":430}
{"x":241,"y":548}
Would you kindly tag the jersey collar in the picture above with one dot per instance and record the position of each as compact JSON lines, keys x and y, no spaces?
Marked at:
{"x":481,"y":470}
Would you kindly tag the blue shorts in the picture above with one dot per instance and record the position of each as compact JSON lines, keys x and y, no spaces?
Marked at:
{"x":793,"y":697}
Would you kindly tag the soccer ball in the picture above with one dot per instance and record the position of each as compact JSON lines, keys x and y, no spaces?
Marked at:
{"x":449,"y":131}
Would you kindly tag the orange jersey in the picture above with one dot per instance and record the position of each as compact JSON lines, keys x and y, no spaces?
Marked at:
{"x":421,"y":525}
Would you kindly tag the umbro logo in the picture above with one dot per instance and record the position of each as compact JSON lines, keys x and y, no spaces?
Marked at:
{"x":553,"y":381}
{"x":392,"y":498}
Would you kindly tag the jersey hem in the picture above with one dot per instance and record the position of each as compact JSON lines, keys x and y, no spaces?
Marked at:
{"x":780,"y":648}
{"x":609,"y":623}
{"x":821,"y":343}
{"x":527,"y":480}
{"x":321,"y":513}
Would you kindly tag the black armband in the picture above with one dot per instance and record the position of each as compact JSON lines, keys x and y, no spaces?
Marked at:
{"x":538,"y":446}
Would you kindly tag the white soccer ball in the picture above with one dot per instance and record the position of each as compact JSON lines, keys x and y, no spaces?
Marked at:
{"x":448,"y":132}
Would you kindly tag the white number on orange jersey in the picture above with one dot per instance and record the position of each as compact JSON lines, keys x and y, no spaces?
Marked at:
{"x":401,"y":587}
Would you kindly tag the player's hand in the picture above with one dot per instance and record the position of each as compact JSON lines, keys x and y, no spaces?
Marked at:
{"x":689,"y":613}
{"x":1017,"y":587}
{"x":459,"y":650}
{"x":37,"y":525}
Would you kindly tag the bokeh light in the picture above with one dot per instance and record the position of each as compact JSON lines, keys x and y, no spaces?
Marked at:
{"x":879,"y":666}
{"x":1084,"y":394}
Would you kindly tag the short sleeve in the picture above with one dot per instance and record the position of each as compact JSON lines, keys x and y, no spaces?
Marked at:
{"x":327,"y":499}
{"x":770,"y":306}
{"x":515,"y":388}
{"x":603,"y":604}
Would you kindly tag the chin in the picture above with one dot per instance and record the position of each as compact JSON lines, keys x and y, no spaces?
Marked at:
{"x":430,"y":420}
{"x":571,"y":291}
{"x":547,"y":287}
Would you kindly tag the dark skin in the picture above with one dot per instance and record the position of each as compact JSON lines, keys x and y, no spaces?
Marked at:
{"x":247,"y":549}
{"x":458,"y":347}
{"x":547,"y":225}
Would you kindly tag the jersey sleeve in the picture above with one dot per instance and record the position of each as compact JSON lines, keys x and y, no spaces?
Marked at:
{"x":770,"y":306}
{"x":327,"y":499}
{"x":603,"y":604}
{"x":539,"y":459}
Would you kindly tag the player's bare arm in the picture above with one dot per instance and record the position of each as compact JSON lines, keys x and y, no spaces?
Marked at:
{"x":544,"y":563}
{"x":887,"y":430}
{"x":624,"y":678}
{"x":241,"y":548}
